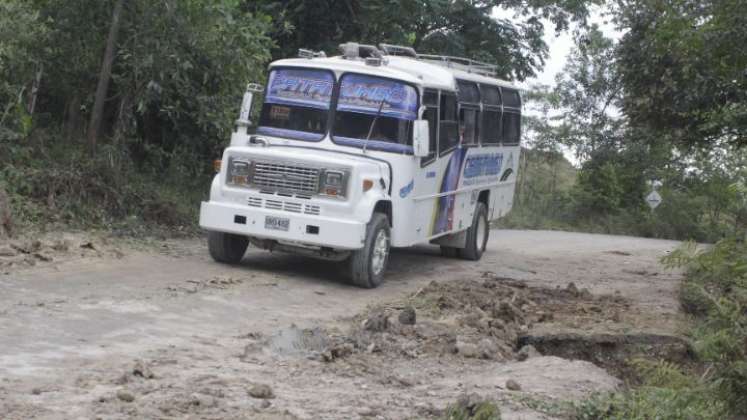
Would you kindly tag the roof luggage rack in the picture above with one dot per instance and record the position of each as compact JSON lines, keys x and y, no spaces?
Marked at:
{"x":460,"y":63}
{"x":390,"y":49}
{"x":353,"y":50}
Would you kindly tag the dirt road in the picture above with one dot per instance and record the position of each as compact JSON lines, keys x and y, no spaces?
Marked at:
{"x":170,"y":334}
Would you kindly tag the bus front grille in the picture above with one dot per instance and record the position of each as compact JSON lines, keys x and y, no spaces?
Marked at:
{"x":283,"y":177}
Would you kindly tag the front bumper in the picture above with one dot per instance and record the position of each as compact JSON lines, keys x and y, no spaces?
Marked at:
{"x":250,"y":221}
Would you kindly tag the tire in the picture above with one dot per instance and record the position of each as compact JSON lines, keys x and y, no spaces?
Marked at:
{"x":449,"y":251}
{"x":226,"y":247}
{"x":477,"y":234}
{"x":368,"y":264}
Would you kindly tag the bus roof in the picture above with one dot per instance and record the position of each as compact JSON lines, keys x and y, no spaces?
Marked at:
{"x":426,"y":73}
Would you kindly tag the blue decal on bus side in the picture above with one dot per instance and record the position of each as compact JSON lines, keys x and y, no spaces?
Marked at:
{"x":482,"y":168}
{"x":407,"y":189}
{"x":444,"y":217}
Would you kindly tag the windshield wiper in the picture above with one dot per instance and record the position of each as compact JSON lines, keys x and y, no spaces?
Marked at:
{"x":373,"y":123}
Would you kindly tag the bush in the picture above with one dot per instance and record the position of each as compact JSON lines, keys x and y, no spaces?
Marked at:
{"x":60,"y":186}
{"x":484,"y":410}
{"x":648,"y":402}
{"x":714,"y":291}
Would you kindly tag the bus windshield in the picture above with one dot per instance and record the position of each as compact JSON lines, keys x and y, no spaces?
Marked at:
{"x":376,"y":108}
{"x":297,"y":104}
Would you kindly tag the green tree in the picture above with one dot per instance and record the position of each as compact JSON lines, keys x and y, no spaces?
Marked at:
{"x":682,"y":66}
{"x":589,"y":94}
{"x":23,"y":38}
{"x":461,"y":27}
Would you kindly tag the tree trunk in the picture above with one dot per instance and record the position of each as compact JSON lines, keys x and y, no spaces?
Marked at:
{"x":104,"y":77}
{"x":73,"y":122}
{"x":6,"y":220}
{"x":523,"y":174}
{"x":34,"y":94}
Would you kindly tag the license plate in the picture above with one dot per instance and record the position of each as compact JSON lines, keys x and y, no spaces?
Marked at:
{"x":277,"y":223}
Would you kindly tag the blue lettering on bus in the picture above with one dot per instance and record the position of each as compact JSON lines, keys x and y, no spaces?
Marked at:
{"x":483,"y":165}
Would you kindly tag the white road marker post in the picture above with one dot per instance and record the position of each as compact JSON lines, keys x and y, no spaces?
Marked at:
{"x":653,"y":199}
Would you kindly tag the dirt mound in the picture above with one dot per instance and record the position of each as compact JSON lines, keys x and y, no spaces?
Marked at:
{"x":481,"y":318}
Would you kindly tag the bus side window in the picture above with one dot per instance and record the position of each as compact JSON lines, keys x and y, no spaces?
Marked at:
{"x":431,"y":102}
{"x":448,"y":135}
{"x":468,"y":125}
{"x":431,"y":115}
{"x":490,"y":130}
{"x":511,"y":128}
{"x":469,"y":111}
{"x":491,"y":126}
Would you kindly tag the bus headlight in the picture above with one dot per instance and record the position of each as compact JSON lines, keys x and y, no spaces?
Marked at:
{"x":333,"y":183}
{"x":238,"y":172}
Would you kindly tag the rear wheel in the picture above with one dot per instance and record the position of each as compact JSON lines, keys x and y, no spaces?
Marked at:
{"x":227,"y":247}
{"x":477,"y":234}
{"x":368,"y":264}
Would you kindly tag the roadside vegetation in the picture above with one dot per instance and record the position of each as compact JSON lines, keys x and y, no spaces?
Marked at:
{"x":714,"y":293}
{"x":665,"y":102}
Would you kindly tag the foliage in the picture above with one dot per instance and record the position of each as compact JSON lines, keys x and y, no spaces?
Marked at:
{"x":667,"y":392}
{"x":23,"y":32}
{"x":64,"y":187}
{"x":618,"y":158}
{"x":459,"y":28}
{"x":685,"y":82}
{"x":177,"y":80}
{"x":646,"y":403}
{"x":715,"y":291}
{"x":543,"y":199}
{"x":589,"y":92}
{"x":482,"y":411}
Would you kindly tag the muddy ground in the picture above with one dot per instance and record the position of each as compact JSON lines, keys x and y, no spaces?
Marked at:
{"x":96,"y":327}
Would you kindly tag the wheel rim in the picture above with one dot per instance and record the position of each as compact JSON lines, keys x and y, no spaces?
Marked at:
{"x":481,"y":233}
{"x":380,"y":252}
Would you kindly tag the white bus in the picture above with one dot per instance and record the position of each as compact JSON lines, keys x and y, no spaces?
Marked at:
{"x":379,"y":147}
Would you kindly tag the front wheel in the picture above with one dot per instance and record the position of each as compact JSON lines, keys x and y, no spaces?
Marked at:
{"x":368,"y":264}
{"x":477,"y":234}
{"x":227,"y":247}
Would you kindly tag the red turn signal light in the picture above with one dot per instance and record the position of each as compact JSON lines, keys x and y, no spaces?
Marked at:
{"x":367,"y":184}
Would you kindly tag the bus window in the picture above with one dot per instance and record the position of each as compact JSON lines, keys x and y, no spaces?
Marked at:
{"x":491,"y":126}
{"x":297,"y":104}
{"x":468,"y":125}
{"x":468,"y":92}
{"x":431,"y":115}
{"x":430,"y":98}
{"x":375,"y":112}
{"x":448,"y":134}
{"x":511,"y":98}
{"x":490,"y":95}
{"x":511,"y":128}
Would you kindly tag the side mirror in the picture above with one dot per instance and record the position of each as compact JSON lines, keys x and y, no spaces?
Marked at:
{"x":420,"y":138}
{"x":246,"y":103}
